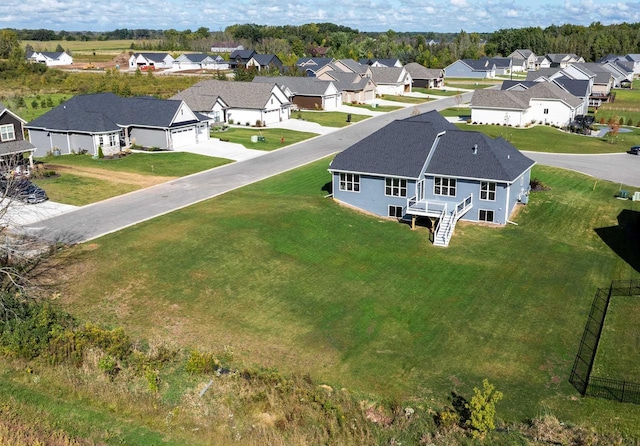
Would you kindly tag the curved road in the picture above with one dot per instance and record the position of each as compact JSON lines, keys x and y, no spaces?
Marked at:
{"x":95,"y":220}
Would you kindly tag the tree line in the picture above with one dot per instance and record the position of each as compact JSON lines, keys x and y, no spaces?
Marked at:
{"x":431,"y":49}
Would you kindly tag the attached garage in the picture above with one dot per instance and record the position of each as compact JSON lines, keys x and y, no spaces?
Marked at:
{"x":183,"y":137}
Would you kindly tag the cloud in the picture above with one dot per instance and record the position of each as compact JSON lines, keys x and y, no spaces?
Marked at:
{"x":365,"y":15}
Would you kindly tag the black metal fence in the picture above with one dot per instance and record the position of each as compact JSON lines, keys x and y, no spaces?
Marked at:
{"x":619,"y":390}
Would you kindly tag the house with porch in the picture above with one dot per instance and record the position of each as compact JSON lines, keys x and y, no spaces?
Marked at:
{"x":306,"y":92}
{"x":425,"y":77}
{"x":151,"y":61}
{"x":111,"y":122}
{"x":424,"y":167}
{"x":238,"y":102}
{"x":527,"y":55}
{"x":16,"y":153}
{"x":199,"y":61}
{"x":542,"y":102}
{"x":392,"y":81}
{"x":472,"y":68}
{"x":50,"y":59}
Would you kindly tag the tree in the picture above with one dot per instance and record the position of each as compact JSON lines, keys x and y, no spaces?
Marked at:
{"x":8,"y":42}
{"x":482,"y":409}
{"x":59,"y":49}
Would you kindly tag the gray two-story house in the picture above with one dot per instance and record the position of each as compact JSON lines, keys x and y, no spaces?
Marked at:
{"x":423,"y":166}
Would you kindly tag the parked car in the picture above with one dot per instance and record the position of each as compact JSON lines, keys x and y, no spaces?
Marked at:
{"x":635,"y":150}
{"x":23,"y":190}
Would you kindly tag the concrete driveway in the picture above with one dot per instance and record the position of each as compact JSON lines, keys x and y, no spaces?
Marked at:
{"x":222,"y":149}
{"x":18,"y":214}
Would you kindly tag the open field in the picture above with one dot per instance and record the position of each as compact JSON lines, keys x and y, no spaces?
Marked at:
{"x":292,"y":280}
{"x":328,"y":119}
{"x":105,"y":46}
{"x":43,"y":103}
{"x":274,"y":138}
{"x":548,"y":139}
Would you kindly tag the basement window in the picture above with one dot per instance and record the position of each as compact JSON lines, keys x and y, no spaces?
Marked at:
{"x":485,"y":215}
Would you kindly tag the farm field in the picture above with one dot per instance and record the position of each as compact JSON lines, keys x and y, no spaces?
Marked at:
{"x":292,"y":280}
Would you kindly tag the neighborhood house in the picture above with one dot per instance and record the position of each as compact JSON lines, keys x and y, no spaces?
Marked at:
{"x":424,"y":166}
{"x":105,"y":120}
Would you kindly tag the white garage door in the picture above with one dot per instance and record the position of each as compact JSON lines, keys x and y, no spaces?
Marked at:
{"x":183,"y":137}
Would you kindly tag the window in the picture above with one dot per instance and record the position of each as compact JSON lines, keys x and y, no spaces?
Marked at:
{"x":395,"y":187}
{"x":350,"y":182}
{"x":487,"y":191}
{"x":444,"y":186}
{"x":485,"y":215}
{"x":7,"y":133}
{"x":112,"y":139}
{"x":100,"y":140}
{"x":395,"y":211}
{"x":546,"y":111}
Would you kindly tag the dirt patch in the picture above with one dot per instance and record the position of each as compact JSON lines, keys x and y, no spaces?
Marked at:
{"x":112,"y":176}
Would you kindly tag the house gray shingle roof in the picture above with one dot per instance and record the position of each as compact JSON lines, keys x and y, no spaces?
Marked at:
{"x":401,"y":148}
{"x":387,"y":75}
{"x":156,"y":57}
{"x":11,"y":147}
{"x":348,"y":81}
{"x":202,"y":95}
{"x":418,"y":71}
{"x":301,"y":86}
{"x":520,"y":100}
{"x":106,"y":112}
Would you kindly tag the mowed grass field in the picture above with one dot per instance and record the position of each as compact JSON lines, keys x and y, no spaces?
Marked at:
{"x":541,"y":138}
{"x":273,"y":138}
{"x":290,"y":279}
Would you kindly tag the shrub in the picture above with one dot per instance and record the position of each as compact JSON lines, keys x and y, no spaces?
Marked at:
{"x":258,"y":123}
{"x":601,"y":120}
{"x":630,"y":122}
{"x":482,"y":409}
{"x":621,"y":121}
{"x":100,"y":152}
{"x":153,"y":380}
{"x":109,"y":366}
{"x":200,"y":363}
{"x":231,"y":121}
{"x":447,"y":420}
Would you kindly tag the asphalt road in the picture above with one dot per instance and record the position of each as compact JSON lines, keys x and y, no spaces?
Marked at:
{"x":617,"y":167}
{"x":98,"y":219}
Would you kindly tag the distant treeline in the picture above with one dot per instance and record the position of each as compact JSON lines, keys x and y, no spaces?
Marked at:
{"x":429,"y":48}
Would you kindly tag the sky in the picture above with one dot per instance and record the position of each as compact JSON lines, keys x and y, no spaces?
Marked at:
{"x":364,"y":15}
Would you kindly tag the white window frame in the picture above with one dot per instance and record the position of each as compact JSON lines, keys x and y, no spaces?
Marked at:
{"x":395,"y":209}
{"x":395,"y":187}
{"x":7,"y":132}
{"x":443,"y":186}
{"x":113,"y":139}
{"x":349,"y":182}
{"x":486,"y":191}
{"x":486,"y":214}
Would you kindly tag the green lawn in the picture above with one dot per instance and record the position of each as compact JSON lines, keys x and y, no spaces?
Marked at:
{"x":405,"y":99}
{"x":274,"y":138}
{"x":290,"y":279}
{"x":79,"y":190}
{"x":328,"y":119}
{"x":548,"y":139}
{"x":380,"y":108}
{"x":437,"y":92}
{"x":462,"y":112}
{"x":28,"y":112}
{"x":620,"y":342}
{"x":168,"y":164}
